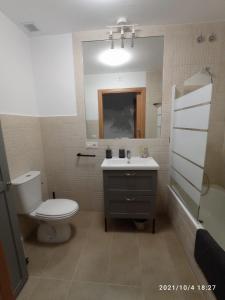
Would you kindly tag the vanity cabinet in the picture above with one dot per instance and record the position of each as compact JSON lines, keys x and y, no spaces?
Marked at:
{"x":130,"y":194}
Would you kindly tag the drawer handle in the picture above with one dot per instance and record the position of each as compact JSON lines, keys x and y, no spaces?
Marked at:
{"x":130,"y":174}
{"x":130,"y":199}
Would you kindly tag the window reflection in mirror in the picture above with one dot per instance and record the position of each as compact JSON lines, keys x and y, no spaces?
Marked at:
{"x":123,"y":88}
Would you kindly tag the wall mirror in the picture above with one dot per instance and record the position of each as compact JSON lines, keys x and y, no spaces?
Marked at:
{"x":123,"y":88}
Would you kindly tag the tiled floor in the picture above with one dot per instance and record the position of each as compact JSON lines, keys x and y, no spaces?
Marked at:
{"x":122,"y":264}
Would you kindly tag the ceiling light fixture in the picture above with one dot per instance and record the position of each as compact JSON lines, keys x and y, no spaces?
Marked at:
{"x":122,"y":37}
{"x":114,"y":57}
{"x":133,"y":35}
{"x":125,"y":30}
{"x":111,"y":40}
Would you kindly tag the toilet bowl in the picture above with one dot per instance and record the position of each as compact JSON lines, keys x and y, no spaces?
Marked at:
{"x":53,"y":215}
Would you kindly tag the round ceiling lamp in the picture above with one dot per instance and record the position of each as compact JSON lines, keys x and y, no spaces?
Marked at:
{"x":114,"y":57}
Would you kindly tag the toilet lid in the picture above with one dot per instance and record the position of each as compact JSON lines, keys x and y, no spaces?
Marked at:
{"x":57,"y":207}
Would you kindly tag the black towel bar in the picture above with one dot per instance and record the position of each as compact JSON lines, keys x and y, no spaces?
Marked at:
{"x":85,"y":155}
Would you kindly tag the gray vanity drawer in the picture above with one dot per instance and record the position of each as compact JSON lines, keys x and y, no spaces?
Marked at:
{"x":132,"y":204}
{"x":131,"y":209}
{"x":129,"y":196}
{"x":130,"y":180}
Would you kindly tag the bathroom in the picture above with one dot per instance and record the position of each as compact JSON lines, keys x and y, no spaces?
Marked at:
{"x":48,"y":59}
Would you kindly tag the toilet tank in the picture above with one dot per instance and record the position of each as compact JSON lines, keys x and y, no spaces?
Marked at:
{"x":28,"y":191}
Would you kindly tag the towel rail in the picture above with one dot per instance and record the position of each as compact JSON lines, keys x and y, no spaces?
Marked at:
{"x":85,"y":155}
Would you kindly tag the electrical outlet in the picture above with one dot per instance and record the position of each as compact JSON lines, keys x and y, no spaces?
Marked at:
{"x":92,"y":145}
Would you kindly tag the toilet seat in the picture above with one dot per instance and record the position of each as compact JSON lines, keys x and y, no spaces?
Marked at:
{"x":55,"y":209}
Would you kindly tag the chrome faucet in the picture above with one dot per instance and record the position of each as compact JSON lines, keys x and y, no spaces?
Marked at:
{"x":128,"y":154}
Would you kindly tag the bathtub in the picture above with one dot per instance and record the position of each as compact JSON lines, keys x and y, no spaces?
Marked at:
{"x":212,"y":213}
{"x":186,"y":227}
{"x":195,"y":224}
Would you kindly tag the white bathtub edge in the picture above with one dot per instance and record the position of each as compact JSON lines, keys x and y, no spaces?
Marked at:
{"x":193,"y":220}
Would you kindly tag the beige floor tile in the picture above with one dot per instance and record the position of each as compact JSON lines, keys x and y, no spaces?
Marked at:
{"x":150,"y":294}
{"x":125,"y":265}
{"x":195,"y":295}
{"x":178,"y":258}
{"x":157,"y":267}
{"x":164,"y":262}
{"x":81,"y":290}
{"x":86,"y":291}
{"x":28,"y":288}
{"x":162,"y":295}
{"x":63,"y":262}
{"x":39,"y":255}
{"x":123,"y":293}
{"x":93,"y":264}
{"x":50,"y":289}
{"x":121,"y":264}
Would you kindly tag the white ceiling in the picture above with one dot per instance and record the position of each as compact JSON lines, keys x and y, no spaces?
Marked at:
{"x":147,"y":55}
{"x":61,"y":16}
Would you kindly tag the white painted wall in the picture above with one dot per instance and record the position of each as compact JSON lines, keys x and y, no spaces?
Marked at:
{"x":37,"y":75}
{"x":54,"y":74}
{"x":17,"y":94}
{"x":108,"y":81}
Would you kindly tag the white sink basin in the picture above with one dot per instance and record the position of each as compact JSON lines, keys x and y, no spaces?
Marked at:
{"x":135,"y":163}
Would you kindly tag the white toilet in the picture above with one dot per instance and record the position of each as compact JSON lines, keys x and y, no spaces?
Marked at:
{"x":54,"y":214}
